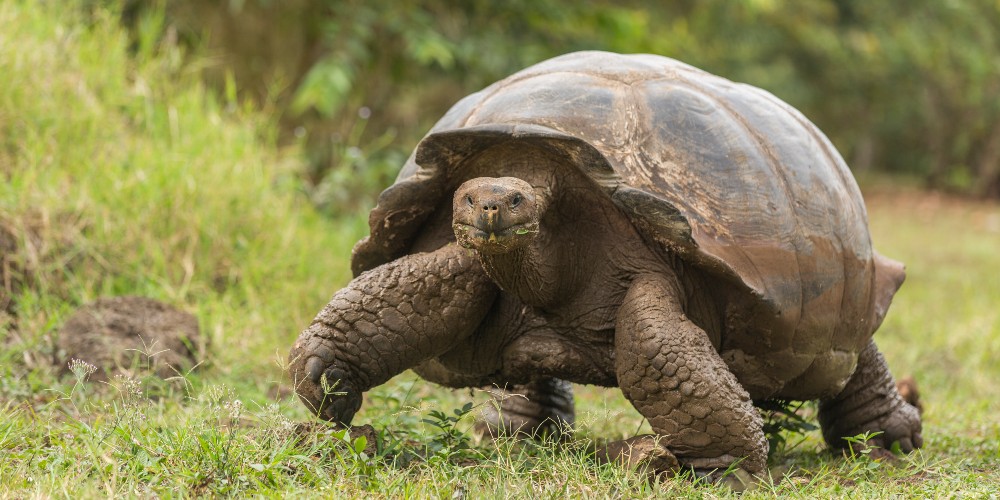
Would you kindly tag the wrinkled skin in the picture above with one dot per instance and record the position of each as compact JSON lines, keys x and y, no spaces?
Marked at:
{"x":531,"y":280}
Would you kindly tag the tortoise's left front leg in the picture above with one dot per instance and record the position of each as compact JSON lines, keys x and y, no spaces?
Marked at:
{"x":386,"y":321}
{"x":669,"y":370}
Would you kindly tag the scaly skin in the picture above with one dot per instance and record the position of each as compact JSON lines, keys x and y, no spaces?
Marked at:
{"x":386,"y":321}
{"x":670,"y":372}
{"x":871,"y":403}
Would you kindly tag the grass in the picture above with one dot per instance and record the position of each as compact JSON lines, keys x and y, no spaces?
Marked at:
{"x":122,"y":174}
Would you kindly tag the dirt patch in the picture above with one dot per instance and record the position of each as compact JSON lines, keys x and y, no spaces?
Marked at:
{"x":131,"y":334}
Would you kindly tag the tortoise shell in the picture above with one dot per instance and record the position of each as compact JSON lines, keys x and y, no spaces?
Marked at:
{"x":724,"y":175}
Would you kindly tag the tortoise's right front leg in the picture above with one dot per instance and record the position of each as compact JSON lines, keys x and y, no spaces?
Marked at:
{"x":386,"y":321}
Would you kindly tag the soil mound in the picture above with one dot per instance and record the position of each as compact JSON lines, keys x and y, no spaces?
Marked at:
{"x":134,"y":334}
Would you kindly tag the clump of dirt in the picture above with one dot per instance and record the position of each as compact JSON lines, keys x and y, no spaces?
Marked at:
{"x":131,"y":334}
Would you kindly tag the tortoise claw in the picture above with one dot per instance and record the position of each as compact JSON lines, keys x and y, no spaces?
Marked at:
{"x":314,"y":369}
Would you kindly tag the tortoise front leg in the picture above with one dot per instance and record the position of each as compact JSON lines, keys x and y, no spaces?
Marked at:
{"x":669,"y":370}
{"x":386,"y":321}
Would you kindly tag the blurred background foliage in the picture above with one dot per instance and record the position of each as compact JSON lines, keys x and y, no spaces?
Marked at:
{"x":909,"y":87}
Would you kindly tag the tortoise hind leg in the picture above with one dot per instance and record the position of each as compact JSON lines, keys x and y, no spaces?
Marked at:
{"x":870,"y":402}
{"x":669,"y":370}
{"x":539,"y":408}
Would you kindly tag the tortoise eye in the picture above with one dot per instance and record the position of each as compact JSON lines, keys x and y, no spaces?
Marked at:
{"x":468,"y":199}
{"x":515,"y":201}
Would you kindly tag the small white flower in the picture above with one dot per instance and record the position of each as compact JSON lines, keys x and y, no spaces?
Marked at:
{"x":81,"y":369}
{"x":129,"y":388}
{"x":235,"y":409}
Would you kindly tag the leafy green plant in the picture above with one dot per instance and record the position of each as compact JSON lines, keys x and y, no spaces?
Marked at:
{"x":863,"y":459}
{"x":861,"y":446}
{"x":448,"y":441}
{"x":782,"y":418}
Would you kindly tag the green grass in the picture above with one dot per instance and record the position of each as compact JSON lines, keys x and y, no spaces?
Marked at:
{"x":123,"y":174}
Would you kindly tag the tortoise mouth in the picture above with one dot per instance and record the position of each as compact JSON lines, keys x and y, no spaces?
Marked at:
{"x":497,"y":241}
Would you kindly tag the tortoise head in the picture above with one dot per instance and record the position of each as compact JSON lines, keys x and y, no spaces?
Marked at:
{"x":495,"y":215}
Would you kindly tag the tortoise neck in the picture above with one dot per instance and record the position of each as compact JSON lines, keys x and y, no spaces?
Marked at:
{"x":523,"y":272}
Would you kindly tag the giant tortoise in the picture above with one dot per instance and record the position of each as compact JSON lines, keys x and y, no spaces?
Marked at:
{"x":627,"y":221}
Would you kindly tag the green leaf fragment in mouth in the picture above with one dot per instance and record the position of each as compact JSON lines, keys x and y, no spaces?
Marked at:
{"x":522,"y":231}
